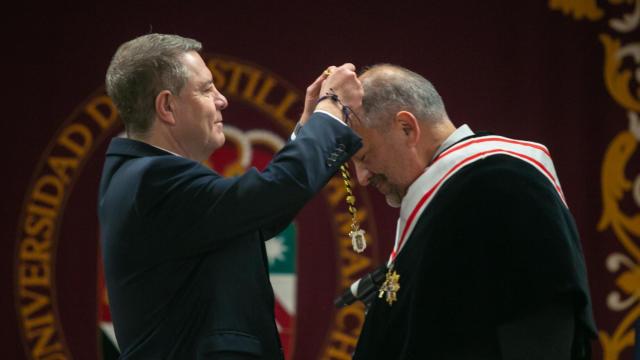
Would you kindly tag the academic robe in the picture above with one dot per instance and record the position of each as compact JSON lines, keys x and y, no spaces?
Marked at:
{"x":495,"y":244}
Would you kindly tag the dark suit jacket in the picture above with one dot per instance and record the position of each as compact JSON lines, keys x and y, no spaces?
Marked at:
{"x":183,"y":247}
{"x":495,"y":246}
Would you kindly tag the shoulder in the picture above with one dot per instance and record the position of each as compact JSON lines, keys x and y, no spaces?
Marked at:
{"x":498,"y":186}
{"x":163,"y":167}
{"x":501,"y":173}
{"x":149,"y":177}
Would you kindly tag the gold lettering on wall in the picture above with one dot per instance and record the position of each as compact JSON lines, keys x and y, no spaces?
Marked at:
{"x":41,"y":216}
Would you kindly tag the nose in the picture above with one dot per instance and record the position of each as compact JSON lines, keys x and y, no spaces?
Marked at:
{"x":221,"y":101}
{"x":362,"y":173}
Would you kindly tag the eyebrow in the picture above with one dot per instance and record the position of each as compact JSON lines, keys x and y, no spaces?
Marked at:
{"x":207,"y":83}
{"x":358,"y":156}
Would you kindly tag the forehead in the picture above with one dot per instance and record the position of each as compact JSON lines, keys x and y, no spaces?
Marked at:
{"x":198,"y":70}
{"x":371,"y":138}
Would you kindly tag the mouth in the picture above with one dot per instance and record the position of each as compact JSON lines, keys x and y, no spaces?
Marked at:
{"x":380,"y":183}
{"x":384,"y":189}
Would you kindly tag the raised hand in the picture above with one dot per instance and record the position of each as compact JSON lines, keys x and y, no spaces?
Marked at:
{"x":342,"y":82}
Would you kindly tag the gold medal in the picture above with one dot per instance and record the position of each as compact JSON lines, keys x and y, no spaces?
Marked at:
{"x":390,"y":286}
{"x":358,"y":239}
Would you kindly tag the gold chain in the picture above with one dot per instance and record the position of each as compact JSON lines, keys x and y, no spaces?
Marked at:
{"x":351,"y":199}
{"x":357,"y":235}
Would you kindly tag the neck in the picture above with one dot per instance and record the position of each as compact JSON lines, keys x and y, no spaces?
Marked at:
{"x":163,"y":138}
{"x":432,"y":138}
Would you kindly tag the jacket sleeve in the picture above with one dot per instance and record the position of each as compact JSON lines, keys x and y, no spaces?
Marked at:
{"x":181,"y":199}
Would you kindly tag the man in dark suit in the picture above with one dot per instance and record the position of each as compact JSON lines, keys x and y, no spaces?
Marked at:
{"x":183,"y":247}
{"x":487,"y":262}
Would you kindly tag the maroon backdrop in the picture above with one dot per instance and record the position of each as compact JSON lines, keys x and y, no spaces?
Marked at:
{"x":556,"y":72}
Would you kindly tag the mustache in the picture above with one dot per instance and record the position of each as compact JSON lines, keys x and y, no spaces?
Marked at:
{"x":376,"y":179}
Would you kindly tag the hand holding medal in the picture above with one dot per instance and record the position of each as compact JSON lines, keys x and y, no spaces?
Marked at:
{"x":353,"y":98}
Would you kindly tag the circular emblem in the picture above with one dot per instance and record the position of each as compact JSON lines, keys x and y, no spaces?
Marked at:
{"x":60,"y":297}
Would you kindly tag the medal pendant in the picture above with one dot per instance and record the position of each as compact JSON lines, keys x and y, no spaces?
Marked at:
{"x":390,"y":287}
{"x":358,"y":240}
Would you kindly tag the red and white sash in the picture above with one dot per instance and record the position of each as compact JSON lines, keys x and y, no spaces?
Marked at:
{"x":449,"y":162}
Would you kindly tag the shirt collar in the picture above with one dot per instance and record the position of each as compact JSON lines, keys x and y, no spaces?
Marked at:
{"x":170,"y":152}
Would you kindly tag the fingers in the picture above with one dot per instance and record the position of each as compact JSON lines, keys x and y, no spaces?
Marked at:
{"x":344,"y":68}
{"x":328,"y":71}
{"x":348,"y":66}
{"x":313,"y":93}
{"x":314,"y":88}
{"x":343,"y":82}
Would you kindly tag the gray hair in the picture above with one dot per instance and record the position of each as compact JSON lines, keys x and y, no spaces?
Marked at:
{"x":140,"y":69}
{"x":389,"y":89}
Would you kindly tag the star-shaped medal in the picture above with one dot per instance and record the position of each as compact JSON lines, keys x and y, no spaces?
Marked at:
{"x":390,"y":287}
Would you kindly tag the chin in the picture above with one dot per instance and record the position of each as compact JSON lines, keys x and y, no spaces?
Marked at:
{"x":219,"y":140}
{"x":216,"y":143}
{"x":393,"y":200}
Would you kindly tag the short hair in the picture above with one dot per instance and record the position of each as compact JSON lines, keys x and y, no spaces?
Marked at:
{"x":140,"y":69}
{"x":389,"y":89}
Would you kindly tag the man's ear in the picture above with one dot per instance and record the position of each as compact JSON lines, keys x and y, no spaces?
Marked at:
{"x":409,"y":126}
{"x":165,"y":107}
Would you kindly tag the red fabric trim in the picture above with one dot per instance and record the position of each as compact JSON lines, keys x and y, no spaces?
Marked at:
{"x":491,"y":138}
